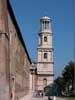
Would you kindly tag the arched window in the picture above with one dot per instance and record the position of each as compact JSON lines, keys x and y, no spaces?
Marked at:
{"x":45,"y":55}
{"x":45,"y":82}
{"x":45,"y":39}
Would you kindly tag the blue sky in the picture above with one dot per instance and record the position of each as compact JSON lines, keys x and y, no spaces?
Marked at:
{"x":28,"y":14}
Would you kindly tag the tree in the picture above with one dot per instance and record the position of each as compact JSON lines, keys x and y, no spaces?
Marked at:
{"x":51,"y":90}
{"x":61,"y":84}
{"x":68,"y":73}
{"x":66,"y":81}
{"x":68,"y":76}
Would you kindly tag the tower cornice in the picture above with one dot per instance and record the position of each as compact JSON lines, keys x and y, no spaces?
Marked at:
{"x":45,"y":31}
{"x":41,"y":48}
{"x":45,"y":62}
{"x":45,"y":74}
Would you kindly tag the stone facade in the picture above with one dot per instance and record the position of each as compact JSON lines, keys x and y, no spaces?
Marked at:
{"x":42,"y":71}
{"x":45,"y":55}
{"x":14,"y":58}
{"x":33,"y":78}
{"x":4,"y":64}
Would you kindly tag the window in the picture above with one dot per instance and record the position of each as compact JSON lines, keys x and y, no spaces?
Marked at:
{"x":45,"y":82}
{"x":45,"y":55}
{"x":45,"y":39}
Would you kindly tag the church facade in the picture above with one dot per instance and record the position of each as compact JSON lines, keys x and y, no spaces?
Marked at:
{"x":42,"y":71}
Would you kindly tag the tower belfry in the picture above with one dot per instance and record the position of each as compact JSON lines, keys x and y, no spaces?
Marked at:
{"x":45,"y":23}
{"x":45,"y":54}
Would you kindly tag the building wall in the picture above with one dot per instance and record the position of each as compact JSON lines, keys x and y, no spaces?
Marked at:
{"x":44,"y":44}
{"x":40,"y":82}
{"x":14,"y":58}
{"x":45,"y":68}
{"x":4,"y":68}
{"x":19,"y":61}
{"x":4,"y":57}
{"x":22,"y":71}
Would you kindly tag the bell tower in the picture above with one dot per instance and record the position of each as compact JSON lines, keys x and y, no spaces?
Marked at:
{"x":45,"y":54}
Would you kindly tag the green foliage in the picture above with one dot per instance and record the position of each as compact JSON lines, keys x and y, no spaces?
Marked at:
{"x":68,"y":72}
{"x":51,"y":90}
{"x":66,"y":81}
{"x":68,"y":75}
{"x":62,"y":85}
